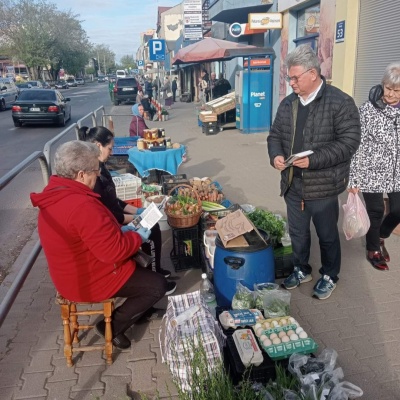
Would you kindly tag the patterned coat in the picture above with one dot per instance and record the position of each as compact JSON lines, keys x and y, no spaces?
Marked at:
{"x":375,"y":168}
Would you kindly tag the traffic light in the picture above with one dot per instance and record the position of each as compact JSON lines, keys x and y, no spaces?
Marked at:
{"x":95,"y":64}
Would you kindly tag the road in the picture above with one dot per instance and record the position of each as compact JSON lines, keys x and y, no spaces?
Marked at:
{"x":17,"y":216}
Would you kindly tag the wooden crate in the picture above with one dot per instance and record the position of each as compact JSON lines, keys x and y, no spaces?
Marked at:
{"x":208,"y":116}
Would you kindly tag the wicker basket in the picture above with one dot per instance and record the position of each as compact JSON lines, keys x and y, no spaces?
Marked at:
{"x":183,"y":221}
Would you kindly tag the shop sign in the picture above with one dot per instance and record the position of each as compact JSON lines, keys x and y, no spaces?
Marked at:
{"x":193,"y":19}
{"x":340,"y":26}
{"x":258,"y":62}
{"x":265,"y":21}
{"x":284,"y":5}
{"x":237,"y":30}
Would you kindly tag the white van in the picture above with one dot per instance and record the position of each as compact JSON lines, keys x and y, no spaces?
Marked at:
{"x":120,"y":73}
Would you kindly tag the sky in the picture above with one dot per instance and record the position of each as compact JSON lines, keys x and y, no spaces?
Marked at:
{"x":116,"y":23}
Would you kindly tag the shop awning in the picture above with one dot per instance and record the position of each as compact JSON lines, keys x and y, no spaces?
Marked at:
{"x":210,"y":49}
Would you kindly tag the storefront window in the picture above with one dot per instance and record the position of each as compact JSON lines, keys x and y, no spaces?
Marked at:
{"x":308,"y":21}
{"x":308,"y":26}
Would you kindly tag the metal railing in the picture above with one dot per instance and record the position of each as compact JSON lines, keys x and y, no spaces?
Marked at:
{"x":45,"y":159}
{"x":19,"y":280}
{"x":94,"y":117}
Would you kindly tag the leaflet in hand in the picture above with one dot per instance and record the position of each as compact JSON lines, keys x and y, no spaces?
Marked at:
{"x":148,"y":218}
{"x":289,"y":161}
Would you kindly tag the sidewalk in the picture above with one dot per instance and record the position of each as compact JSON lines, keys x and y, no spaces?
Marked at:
{"x":361,"y":320}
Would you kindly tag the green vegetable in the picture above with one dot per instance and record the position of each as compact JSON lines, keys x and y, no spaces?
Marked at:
{"x":277,"y":308}
{"x":210,"y":206}
{"x":268,"y":222}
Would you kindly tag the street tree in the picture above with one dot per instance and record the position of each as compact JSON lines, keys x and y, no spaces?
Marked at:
{"x":104,"y":56}
{"x":36,"y":33}
{"x":127,"y":62}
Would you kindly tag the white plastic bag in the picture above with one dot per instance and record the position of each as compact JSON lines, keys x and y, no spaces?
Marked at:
{"x":355,"y":220}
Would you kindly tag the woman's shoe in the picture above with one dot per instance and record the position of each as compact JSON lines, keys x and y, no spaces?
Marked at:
{"x":384,"y":251}
{"x":377,"y":261}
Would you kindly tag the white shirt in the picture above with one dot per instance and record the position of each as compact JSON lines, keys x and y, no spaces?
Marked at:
{"x":311,"y":96}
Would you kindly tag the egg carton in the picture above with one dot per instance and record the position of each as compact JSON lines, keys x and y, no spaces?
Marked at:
{"x":294,"y":338}
{"x":285,"y":350}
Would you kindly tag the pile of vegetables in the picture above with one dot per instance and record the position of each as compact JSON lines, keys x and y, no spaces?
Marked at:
{"x":207,"y":190}
{"x":268,"y":222}
{"x":183,"y":203}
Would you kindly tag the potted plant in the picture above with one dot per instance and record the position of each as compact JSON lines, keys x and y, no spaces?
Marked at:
{"x":164,"y":115}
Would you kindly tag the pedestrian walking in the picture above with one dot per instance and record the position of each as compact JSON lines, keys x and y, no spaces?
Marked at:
{"x":325,"y":120}
{"x":374,"y":168}
{"x":148,"y":88}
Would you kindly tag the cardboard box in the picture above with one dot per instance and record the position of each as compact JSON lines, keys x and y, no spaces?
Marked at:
{"x":222,"y":104}
{"x":232,"y":227}
{"x":208,"y":116}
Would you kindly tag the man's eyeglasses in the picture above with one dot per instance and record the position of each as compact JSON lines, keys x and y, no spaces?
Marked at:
{"x":295,"y":78}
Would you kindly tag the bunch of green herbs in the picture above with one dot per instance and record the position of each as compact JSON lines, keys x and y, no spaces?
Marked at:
{"x":268,"y":222}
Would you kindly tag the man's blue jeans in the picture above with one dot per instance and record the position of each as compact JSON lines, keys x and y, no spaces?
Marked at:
{"x":324,"y":213}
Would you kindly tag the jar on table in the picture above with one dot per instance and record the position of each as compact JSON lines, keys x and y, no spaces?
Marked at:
{"x":140,"y":144}
{"x":168,"y":142}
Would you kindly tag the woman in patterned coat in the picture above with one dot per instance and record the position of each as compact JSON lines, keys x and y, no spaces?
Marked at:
{"x":375,"y":168}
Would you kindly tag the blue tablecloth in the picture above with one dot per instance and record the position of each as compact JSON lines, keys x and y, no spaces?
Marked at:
{"x":145,"y":160}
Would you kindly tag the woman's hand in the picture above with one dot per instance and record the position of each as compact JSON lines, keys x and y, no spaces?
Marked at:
{"x":353,"y":190}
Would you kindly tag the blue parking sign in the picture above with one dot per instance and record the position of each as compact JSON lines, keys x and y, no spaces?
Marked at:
{"x":140,"y":63}
{"x":157,"y":49}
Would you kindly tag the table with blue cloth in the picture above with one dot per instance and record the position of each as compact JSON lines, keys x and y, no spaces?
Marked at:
{"x":145,"y":160}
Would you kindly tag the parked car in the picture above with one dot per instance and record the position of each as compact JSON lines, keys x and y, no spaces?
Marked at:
{"x":126,"y":89}
{"x":8,"y":92}
{"x":71,"y":82}
{"x":61,"y":85}
{"x":35,"y":84}
{"x":101,"y":78}
{"x":80,"y":81}
{"x":38,"y":105}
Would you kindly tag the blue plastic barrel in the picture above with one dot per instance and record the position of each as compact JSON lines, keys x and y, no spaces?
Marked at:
{"x":249,"y":265}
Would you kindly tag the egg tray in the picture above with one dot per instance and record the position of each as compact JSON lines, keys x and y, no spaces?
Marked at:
{"x":285,"y":350}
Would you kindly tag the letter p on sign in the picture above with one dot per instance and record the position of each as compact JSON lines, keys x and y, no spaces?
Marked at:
{"x":157,"y":49}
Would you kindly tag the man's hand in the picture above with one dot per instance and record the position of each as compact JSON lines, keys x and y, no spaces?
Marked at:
{"x":302,"y":162}
{"x":279,"y":163}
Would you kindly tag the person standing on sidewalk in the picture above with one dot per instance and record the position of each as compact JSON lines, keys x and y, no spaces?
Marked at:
{"x":321,"y":118}
{"x":174,"y":88}
{"x":375,"y":168}
{"x":89,"y":257}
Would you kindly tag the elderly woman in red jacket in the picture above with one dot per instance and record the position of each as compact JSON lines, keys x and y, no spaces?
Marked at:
{"x":138,"y":125}
{"x":89,"y":257}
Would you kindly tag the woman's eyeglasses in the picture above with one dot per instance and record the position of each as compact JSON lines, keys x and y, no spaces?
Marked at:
{"x":295,"y":78}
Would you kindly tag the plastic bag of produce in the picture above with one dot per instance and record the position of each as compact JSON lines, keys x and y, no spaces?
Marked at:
{"x":276,"y":303}
{"x":355,"y":220}
{"x":260,"y":289}
{"x":243,"y":298}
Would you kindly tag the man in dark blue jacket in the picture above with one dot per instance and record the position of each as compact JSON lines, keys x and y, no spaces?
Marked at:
{"x":323,"y":119}
{"x":148,"y":88}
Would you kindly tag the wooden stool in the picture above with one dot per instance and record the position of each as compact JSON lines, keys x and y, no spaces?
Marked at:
{"x":69,"y":315}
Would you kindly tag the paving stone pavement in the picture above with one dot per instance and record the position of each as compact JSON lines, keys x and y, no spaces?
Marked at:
{"x":361,"y":320}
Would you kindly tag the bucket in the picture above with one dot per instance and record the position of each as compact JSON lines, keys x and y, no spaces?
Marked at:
{"x":249,"y":265}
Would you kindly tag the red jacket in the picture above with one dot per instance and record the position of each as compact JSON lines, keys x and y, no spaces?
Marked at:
{"x":89,"y":257}
{"x":137,"y":126}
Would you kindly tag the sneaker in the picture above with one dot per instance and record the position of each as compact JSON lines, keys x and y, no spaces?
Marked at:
{"x":297,"y":277}
{"x":164,"y":272}
{"x":384,"y":251}
{"x":324,"y":287}
{"x":120,"y":341}
{"x":171,"y":287}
